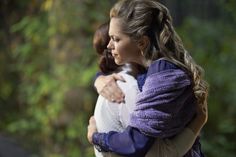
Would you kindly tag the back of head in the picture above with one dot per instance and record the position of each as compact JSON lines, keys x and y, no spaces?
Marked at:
{"x":101,"y":38}
{"x":100,"y":42}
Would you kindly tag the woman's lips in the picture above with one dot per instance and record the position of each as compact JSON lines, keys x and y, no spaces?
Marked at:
{"x":114,"y":55}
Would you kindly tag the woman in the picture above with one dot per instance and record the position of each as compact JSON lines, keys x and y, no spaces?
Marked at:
{"x":141,"y":32}
{"x":111,"y":116}
{"x":115,"y":117}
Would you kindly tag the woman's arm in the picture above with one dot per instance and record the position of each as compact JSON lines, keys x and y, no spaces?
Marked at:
{"x":190,"y":132}
{"x":139,"y":144}
{"x":131,"y":142}
{"x":112,"y":141}
{"x":134,"y":143}
{"x":200,"y":119}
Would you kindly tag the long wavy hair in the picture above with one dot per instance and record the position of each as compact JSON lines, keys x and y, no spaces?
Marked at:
{"x":107,"y":64}
{"x":152,"y":19}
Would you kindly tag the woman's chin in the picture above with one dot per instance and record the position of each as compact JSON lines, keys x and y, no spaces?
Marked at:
{"x":118,"y":62}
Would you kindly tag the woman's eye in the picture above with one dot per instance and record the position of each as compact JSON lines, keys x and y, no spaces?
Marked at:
{"x":115,"y":39}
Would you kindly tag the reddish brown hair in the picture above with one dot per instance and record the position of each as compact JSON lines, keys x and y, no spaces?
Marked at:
{"x":100,"y":41}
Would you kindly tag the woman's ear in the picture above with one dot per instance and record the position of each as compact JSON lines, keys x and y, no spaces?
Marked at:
{"x":143,"y":42}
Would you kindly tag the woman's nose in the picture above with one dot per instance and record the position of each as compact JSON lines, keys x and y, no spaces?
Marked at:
{"x":110,"y":44}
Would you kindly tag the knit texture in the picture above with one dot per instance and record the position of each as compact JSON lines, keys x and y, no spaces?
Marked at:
{"x":166,"y":104}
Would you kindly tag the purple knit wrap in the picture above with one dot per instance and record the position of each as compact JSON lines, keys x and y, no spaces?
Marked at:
{"x":165,"y":105}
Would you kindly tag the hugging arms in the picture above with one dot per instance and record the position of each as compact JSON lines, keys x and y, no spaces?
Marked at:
{"x":169,"y":91}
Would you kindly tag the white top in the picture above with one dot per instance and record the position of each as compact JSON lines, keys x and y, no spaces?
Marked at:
{"x":115,"y":117}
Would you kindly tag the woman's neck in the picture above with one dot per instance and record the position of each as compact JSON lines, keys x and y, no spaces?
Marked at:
{"x":144,"y":62}
{"x":134,"y":69}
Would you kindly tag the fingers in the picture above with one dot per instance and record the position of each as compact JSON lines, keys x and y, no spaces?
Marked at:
{"x":114,"y":93}
{"x":92,"y":120}
{"x":202,"y":112}
{"x":118,"y":77}
{"x":108,"y":88}
{"x":92,"y":128}
{"x":202,"y":108}
{"x":100,"y":82}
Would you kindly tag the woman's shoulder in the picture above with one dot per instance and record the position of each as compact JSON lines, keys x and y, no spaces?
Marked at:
{"x":160,"y":65}
{"x":163,"y":72}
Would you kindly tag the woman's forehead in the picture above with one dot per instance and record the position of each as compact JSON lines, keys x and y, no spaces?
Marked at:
{"x":115,"y":26}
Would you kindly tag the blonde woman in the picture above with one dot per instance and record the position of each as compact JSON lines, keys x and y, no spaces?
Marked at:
{"x":141,"y":32}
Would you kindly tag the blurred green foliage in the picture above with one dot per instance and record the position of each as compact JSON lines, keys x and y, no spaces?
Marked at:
{"x":212,"y":43}
{"x":47,"y":65}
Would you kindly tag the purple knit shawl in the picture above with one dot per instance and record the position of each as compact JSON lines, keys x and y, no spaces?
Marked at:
{"x":165,"y":105}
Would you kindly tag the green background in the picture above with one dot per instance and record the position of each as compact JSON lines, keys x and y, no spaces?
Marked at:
{"x":47,"y":67}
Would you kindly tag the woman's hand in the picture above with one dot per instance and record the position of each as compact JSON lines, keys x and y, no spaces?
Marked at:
{"x":201,"y":118}
{"x":92,"y":128}
{"x":108,"y":88}
{"x":202,"y":112}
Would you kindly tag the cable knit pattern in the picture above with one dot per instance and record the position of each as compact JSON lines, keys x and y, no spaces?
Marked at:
{"x":166,"y":104}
